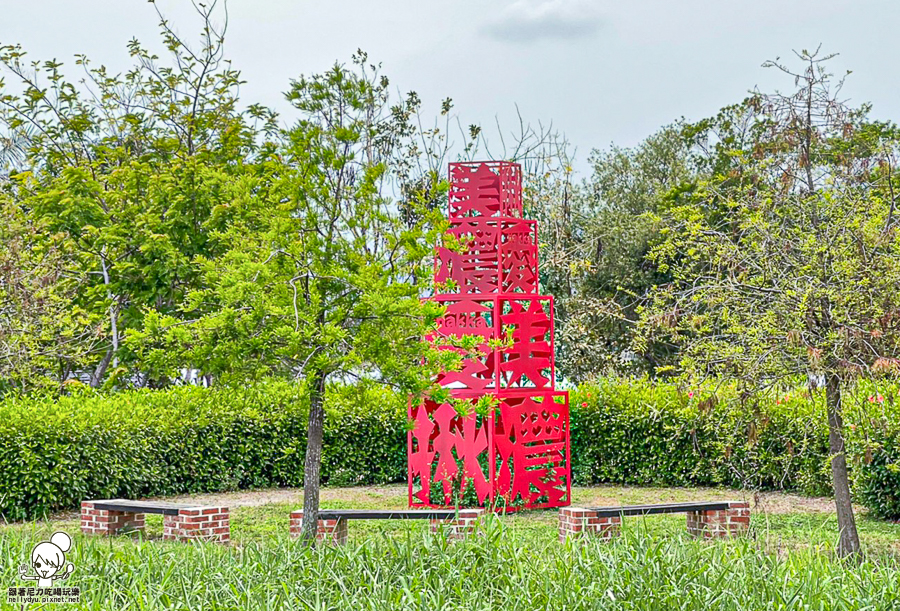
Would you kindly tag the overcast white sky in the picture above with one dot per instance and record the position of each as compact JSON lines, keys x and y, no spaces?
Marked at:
{"x":602,"y":71}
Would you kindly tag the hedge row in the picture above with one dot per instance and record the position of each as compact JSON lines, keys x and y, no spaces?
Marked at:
{"x":134,"y":444}
{"x":184,"y":440}
{"x":637,"y":432}
{"x":634,"y":432}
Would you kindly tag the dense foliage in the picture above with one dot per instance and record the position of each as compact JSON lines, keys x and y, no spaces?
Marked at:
{"x":199,"y":238}
{"x":785,"y":258}
{"x":596,"y":235}
{"x":635,"y":432}
{"x":124,"y":177}
{"x":876,"y":452}
{"x":154,"y":227}
{"x":54,"y":453}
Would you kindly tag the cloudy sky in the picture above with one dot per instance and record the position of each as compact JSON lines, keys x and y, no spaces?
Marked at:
{"x":601,"y":71}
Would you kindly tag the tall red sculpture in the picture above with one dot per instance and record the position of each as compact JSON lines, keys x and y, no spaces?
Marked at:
{"x":516,"y":455}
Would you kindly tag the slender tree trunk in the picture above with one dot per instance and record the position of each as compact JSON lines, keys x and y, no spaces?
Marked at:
{"x":848,"y":545}
{"x":100,"y":370}
{"x":313,"y":463}
{"x":113,"y":312}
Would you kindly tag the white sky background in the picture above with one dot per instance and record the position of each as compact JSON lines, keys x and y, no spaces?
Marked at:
{"x":602,"y":71}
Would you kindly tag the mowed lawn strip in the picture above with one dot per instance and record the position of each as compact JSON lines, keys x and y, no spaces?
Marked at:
{"x":779,"y":521}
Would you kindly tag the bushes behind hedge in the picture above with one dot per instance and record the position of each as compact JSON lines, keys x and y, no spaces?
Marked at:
{"x":874,"y":448}
{"x":54,"y":453}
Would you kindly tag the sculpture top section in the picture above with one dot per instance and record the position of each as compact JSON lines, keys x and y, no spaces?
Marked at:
{"x":485,"y":189}
{"x":501,"y":248}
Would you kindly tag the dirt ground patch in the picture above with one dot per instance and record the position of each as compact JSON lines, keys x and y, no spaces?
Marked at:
{"x":391,"y":495}
{"x":766,"y":502}
{"x":394,"y":496}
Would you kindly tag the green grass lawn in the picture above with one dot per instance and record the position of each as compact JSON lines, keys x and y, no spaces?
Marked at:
{"x":787,"y":562}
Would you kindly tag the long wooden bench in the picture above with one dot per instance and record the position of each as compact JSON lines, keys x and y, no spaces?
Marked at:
{"x":332,"y":524}
{"x":707,"y":519}
{"x":181,"y":521}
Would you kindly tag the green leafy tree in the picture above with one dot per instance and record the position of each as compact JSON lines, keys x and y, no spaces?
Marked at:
{"x":595,"y":237}
{"x":322,"y":272}
{"x":40,"y":331}
{"x":785,"y":262}
{"x":127,"y":171}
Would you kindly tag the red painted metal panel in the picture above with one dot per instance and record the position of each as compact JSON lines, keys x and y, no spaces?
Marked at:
{"x":531,"y":448}
{"x":485,"y":188}
{"x":468,"y":315}
{"x":516,"y":455}
{"x":519,"y":257}
{"x":499,"y":255}
{"x":528,"y":362}
{"x":448,"y":455}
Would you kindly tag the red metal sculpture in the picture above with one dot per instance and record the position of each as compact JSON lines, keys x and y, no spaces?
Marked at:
{"x":515,"y":455}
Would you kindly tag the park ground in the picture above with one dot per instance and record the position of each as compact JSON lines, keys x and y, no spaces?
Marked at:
{"x":779,"y":520}
{"x":787,"y":562}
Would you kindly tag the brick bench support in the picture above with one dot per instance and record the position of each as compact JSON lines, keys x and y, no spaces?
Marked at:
{"x":460,"y":526}
{"x":731,"y":522}
{"x":181,"y":522}
{"x":330,"y":530}
{"x":211,"y":524}
{"x":578,"y":521}
{"x":107,"y":522}
{"x":707,"y":519}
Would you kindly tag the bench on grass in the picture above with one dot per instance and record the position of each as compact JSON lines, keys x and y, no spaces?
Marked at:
{"x":706,"y":519}
{"x":181,"y":522}
{"x":332,"y":523}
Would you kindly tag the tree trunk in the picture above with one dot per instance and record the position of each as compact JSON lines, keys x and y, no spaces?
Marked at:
{"x":313,"y":463}
{"x":848,"y":544}
{"x":100,"y":371}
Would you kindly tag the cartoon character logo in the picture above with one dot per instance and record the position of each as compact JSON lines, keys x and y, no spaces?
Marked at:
{"x":48,"y":559}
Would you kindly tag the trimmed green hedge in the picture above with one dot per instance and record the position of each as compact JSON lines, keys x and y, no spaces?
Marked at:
{"x":635,"y":432}
{"x":874,"y":446}
{"x":134,"y":444}
{"x":54,"y":453}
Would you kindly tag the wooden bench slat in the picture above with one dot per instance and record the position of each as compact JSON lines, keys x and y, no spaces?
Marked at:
{"x":642,"y":510}
{"x":161,"y":507}
{"x":386,"y":514}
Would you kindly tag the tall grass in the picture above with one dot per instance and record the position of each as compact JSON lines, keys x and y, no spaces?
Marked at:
{"x":498,"y":570}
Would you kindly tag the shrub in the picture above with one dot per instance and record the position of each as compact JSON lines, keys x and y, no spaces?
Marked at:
{"x":54,"y":453}
{"x":874,"y":446}
{"x":878,"y":476}
{"x":637,"y":432}
{"x":134,"y":444}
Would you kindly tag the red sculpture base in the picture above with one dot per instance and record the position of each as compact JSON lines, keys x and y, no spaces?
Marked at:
{"x":514,"y":457}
